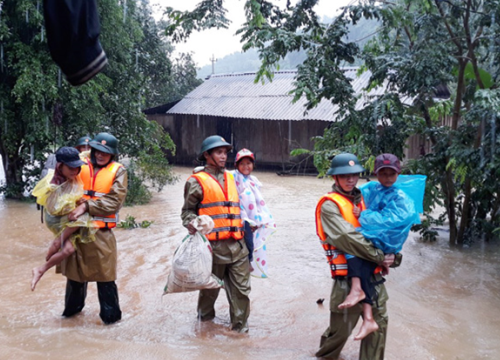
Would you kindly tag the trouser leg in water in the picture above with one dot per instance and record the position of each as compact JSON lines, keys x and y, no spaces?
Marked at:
{"x":108,"y":299}
{"x":74,"y":301}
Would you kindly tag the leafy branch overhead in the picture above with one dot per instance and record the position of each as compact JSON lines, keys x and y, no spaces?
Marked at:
{"x":438,"y":63}
{"x":208,"y":14}
{"x":40,"y":111}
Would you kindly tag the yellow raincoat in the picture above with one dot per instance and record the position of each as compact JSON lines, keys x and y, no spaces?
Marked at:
{"x":58,"y":201}
{"x":96,"y":261}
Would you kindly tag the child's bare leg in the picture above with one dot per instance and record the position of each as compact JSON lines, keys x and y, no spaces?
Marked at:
{"x":355,"y":295}
{"x":55,"y":259}
{"x":369,"y":324}
{"x":56,"y":243}
{"x":54,"y":247}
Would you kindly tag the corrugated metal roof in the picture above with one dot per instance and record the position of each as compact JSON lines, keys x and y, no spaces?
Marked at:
{"x":237,"y":96}
{"x":162,"y":109}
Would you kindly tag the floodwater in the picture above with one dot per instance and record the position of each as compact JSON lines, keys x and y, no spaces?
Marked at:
{"x":444,"y":303}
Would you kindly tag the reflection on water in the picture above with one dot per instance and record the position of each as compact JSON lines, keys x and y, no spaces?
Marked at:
{"x":443,"y":302}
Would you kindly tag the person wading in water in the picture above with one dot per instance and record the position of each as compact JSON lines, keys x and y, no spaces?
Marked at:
{"x":335,"y":226}
{"x":212,"y":191}
{"x":105,"y":188}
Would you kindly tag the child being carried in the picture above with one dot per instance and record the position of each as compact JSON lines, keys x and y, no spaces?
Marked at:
{"x":59,"y":192}
{"x":386,"y":222}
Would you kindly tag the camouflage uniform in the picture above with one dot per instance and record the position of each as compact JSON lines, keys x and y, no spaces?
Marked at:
{"x":343,"y":236}
{"x":230,"y":262}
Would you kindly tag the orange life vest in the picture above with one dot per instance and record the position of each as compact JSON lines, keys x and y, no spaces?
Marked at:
{"x":336,"y":258}
{"x":97,"y":185}
{"x":222,"y":205}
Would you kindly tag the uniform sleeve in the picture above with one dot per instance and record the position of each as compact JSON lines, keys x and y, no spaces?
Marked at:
{"x":344,"y":237}
{"x":73,"y":30}
{"x":397,"y":260}
{"x":193,"y":195}
{"x":112,"y":202}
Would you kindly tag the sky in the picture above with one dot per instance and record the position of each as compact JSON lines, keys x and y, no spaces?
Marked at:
{"x":219,"y":43}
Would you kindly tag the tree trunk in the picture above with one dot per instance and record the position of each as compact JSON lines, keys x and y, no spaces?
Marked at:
{"x":450,"y":204}
{"x":449,"y":200}
{"x":13,"y":173}
{"x":13,"y":177}
{"x":447,"y":183}
{"x":464,"y":221}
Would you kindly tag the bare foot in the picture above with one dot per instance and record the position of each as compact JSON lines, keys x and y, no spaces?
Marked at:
{"x":37,"y":275}
{"x":352,"y":299}
{"x":367,"y":328}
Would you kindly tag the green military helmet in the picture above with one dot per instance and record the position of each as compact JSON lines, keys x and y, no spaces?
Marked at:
{"x":213,"y":142}
{"x":105,"y":143}
{"x":83,"y":141}
{"x":344,"y":164}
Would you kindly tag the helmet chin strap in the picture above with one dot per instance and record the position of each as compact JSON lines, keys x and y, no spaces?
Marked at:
{"x":337,"y":182}
{"x":215,"y":163}
{"x":93,"y":159}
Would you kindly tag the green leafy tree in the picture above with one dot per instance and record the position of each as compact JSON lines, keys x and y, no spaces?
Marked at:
{"x":425,"y":44}
{"x":417,"y":46}
{"x":40,"y":111}
{"x":166,"y":78}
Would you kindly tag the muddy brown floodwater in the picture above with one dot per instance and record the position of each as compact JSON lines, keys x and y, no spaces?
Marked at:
{"x":444,"y":303}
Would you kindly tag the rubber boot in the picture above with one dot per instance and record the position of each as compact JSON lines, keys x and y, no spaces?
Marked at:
{"x":108,"y":299}
{"x":76,"y":292}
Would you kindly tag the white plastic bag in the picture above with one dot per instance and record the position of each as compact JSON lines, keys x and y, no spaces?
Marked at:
{"x":192,"y":262}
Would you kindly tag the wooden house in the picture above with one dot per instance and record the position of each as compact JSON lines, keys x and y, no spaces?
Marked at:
{"x":260,"y":117}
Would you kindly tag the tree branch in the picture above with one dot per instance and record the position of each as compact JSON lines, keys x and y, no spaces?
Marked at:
{"x":427,"y":118}
{"x":453,"y":36}
{"x":471,"y":47}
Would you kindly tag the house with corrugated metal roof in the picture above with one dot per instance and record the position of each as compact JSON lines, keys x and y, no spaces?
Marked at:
{"x":260,"y":117}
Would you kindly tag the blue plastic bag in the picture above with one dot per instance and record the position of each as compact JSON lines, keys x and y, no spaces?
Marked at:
{"x":414,"y":187}
{"x":390,"y":212}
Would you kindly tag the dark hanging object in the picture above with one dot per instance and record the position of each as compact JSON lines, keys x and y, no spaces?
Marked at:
{"x":73,"y":30}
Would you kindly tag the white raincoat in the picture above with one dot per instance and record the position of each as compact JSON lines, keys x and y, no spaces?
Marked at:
{"x":255,"y":211}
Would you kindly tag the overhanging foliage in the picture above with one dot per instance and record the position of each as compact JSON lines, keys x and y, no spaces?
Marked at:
{"x":418,"y":46}
{"x":40,"y":111}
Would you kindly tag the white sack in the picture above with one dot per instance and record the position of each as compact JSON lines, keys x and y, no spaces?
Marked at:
{"x":192,"y":262}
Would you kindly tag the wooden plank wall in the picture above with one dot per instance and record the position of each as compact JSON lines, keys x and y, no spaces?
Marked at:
{"x":270,"y":140}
